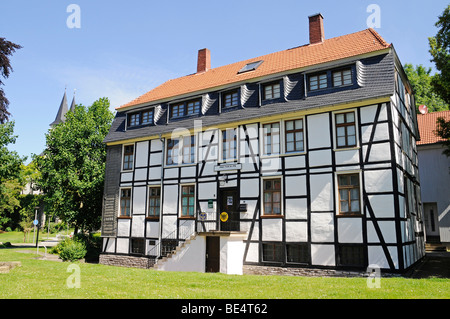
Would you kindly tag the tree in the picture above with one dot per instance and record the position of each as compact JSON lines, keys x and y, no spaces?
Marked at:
{"x":11,"y":181}
{"x":6,"y":49}
{"x":440,"y":51}
{"x":73,"y":164}
{"x":420,"y":79}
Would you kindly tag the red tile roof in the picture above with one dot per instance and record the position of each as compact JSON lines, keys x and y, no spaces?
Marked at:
{"x":346,"y":46}
{"x":427,"y":126}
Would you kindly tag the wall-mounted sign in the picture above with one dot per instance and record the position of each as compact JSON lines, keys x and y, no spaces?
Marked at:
{"x":223,"y":216}
{"x":210,"y":203}
{"x":227,"y":167}
{"x":202,"y":216}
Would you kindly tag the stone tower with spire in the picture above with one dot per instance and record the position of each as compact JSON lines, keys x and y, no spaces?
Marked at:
{"x":63,"y":109}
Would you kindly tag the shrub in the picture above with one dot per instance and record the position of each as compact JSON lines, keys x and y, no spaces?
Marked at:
{"x":72,"y":250}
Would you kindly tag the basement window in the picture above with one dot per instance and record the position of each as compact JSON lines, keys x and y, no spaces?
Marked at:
{"x":250,"y":66}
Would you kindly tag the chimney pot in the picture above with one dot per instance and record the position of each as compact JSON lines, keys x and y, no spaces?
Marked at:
{"x":204,"y":60}
{"x":316,"y":31}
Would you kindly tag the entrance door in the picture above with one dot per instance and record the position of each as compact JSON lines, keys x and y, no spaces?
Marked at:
{"x":431,"y":221}
{"x":212,"y":254}
{"x":229,"y":204}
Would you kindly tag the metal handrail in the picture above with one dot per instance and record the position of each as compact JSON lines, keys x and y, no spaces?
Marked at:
{"x":170,"y":242}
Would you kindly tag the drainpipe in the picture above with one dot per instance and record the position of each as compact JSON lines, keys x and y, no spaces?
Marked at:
{"x":162,"y":193}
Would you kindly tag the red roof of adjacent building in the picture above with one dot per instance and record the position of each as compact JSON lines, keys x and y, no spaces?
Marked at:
{"x":342,"y":47}
{"x":427,"y":127}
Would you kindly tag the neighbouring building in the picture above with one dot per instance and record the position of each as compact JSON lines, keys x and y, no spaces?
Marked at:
{"x":300,"y":158}
{"x":434,"y":179}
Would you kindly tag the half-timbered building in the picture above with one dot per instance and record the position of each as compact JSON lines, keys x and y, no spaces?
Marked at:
{"x":300,"y":158}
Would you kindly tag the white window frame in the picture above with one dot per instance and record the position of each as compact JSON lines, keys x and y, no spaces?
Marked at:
{"x":262,"y":141}
{"x":119,"y":211}
{"x":123,"y":158}
{"x":221,"y":159}
{"x":180,"y":151}
{"x":337,"y":196}
{"x":180,"y":214}
{"x":282,"y":212}
{"x":283,"y":139}
{"x":147,"y":202}
{"x":357,"y":144}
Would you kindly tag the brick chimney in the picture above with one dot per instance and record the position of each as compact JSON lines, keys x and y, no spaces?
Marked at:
{"x":204,"y":60}
{"x":316,"y":32}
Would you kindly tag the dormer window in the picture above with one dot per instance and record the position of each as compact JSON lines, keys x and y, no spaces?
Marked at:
{"x":271,"y":91}
{"x":230,"y":99}
{"x":342,"y":77}
{"x":140,"y":118}
{"x":318,"y":81}
{"x":181,"y":109}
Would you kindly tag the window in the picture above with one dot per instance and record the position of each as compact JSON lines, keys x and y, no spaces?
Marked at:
{"x":172,"y":151}
{"x":137,"y":246}
{"x":230,"y":99}
{"x":134,"y":119}
{"x":229,"y":145}
{"x":177,"y":110}
{"x":272,"y":196}
{"x":294,"y":136}
{"x":273,"y":252}
{"x":351,"y":255}
{"x":147,"y":117}
{"x":187,"y":201}
{"x":250,"y":66}
{"x":193,"y":107}
{"x":154,"y":201}
{"x":271,"y":91}
{"x":188,"y":150}
{"x":318,"y":81}
{"x":345,"y":130}
{"x":342,"y":77}
{"x":125,"y":202}
{"x":271,"y":138}
{"x":297,"y":253}
{"x":128,"y":157}
{"x":140,"y":118}
{"x":185,"y":108}
{"x":349,"y":194}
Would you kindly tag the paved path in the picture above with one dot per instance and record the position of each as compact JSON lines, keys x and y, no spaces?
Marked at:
{"x":434,"y":264}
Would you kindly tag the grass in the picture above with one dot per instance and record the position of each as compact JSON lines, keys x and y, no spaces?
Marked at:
{"x":48,"y":279}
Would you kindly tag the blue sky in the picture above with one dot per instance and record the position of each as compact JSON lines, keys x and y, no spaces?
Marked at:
{"x":125,"y":48}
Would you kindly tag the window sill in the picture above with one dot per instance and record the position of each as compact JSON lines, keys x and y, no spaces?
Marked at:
{"x":124,"y":217}
{"x":152,"y":218}
{"x":187,"y":217}
{"x":344,"y":215}
{"x":272,"y":216}
{"x":350,"y":148}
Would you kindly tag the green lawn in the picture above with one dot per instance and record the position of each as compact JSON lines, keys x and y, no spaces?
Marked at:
{"x":48,"y":279}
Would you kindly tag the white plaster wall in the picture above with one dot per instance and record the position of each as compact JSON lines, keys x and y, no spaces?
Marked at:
{"x":139,"y":195}
{"x":123,"y":227}
{"x":368,"y":113}
{"x":142,"y":154}
{"x":207,"y":190}
{"x":152,"y":229}
{"x":377,"y":256}
{"x":322,"y":227}
{"x":294,"y":161}
{"x":140,"y":174}
{"x":295,"y":185}
{"x":347,"y":156}
{"x":272,"y":229}
{"x":250,"y":187}
{"x":170,"y":199}
{"x":137,"y":226}
{"x":319,"y":158}
{"x":378,"y":180}
{"x":296,"y":231}
{"x":169,"y":225}
{"x":381,"y":132}
{"x":378,"y":152}
{"x":126,"y":177}
{"x":235,"y":256}
{"x":109,"y":245}
{"x":350,"y":230}
{"x":318,"y":130}
{"x":122,"y":245}
{"x":382,"y":205}
{"x":271,"y":164}
{"x":296,"y":208}
{"x":253,"y":253}
{"x":322,"y":255}
{"x":321,"y":192}
{"x":154,"y":173}
{"x":387,"y":230}
{"x":156,"y":145}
